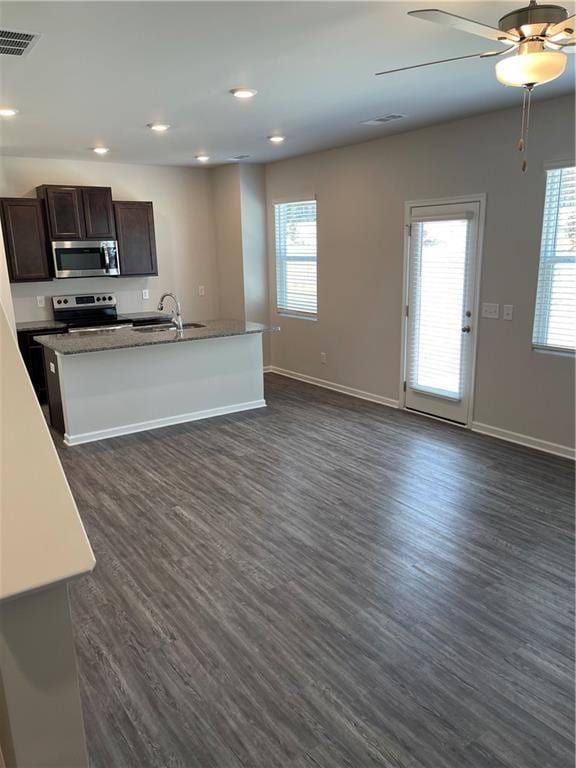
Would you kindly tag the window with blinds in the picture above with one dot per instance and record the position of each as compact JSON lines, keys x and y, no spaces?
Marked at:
{"x":555,"y":314}
{"x":295,"y":234}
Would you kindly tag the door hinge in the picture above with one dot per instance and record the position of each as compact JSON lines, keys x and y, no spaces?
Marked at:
{"x":404,"y":386}
{"x":407,"y":310}
{"x":409,"y":228}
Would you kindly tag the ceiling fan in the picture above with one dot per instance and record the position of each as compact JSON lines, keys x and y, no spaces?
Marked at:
{"x":537,"y":36}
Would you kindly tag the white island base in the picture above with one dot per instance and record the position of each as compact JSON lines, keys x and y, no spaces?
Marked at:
{"x":120,"y":391}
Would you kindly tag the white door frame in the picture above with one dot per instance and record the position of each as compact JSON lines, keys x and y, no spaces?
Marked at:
{"x":480,"y":199}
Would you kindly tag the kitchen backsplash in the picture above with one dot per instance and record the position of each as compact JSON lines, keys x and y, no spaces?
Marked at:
{"x":129,"y":298}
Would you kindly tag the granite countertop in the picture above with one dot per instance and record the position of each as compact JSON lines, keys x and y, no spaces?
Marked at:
{"x":124,"y":338}
{"x":41,"y":325}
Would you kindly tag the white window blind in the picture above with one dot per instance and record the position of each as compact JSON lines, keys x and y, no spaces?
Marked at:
{"x":555,"y":314}
{"x":296,"y":283}
{"x":437,"y":291}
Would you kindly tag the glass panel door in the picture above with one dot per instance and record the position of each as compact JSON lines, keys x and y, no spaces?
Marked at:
{"x":440,"y":331}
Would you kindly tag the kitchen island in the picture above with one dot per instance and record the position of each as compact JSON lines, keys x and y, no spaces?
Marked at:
{"x":116,"y":382}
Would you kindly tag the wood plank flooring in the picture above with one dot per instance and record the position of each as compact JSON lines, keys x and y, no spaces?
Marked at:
{"x":326,"y":583}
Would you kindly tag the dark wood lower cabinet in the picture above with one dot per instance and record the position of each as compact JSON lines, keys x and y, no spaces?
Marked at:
{"x":52,"y":394}
{"x":33,"y":355}
{"x":25,"y":240}
{"x":136,"y":238}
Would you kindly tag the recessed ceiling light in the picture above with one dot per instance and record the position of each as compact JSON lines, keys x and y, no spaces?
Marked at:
{"x":203,"y":158}
{"x":243,"y":93}
{"x":276,"y":139}
{"x":158,"y":127}
{"x":101,"y":150}
{"x":8,"y":112}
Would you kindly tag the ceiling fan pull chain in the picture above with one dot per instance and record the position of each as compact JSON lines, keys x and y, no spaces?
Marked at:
{"x":526,"y":128}
{"x":521,"y":139}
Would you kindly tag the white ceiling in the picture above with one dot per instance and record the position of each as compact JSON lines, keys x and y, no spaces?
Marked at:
{"x":102,"y":70}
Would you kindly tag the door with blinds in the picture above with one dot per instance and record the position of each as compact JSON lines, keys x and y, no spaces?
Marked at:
{"x":440,"y":309}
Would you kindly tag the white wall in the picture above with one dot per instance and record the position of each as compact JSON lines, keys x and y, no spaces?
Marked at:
{"x":183,"y":219}
{"x":361,"y":193}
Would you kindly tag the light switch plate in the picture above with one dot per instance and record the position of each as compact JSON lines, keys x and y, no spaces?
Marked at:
{"x":145,"y":293}
{"x":507,"y":311}
{"x":491,"y":311}
{"x":52,"y":368}
{"x":41,"y":301}
{"x":201,"y":290}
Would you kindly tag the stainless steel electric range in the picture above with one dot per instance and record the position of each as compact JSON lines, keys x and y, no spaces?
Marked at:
{"x":89,"y":312}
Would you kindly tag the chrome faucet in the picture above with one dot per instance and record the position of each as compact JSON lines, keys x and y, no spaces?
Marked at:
{"x":177,"y":315}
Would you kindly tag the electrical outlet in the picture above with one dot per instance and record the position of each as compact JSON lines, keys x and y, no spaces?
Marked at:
{"x":41,"y":301}
{"x":201,"y":290}
{"x":145,"y":293}
{"x":507,"y":311}
{"x":52,"y":368}
{"x":323,"y":358}
{"x":491,"y":311}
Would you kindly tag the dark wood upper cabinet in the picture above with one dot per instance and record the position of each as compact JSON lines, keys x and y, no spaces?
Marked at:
{"x":136,"y":239}
{"x":98,"y":213}
{"x":24,"y":229}
{"x":65,"y":212}
{"x":79,"y":213}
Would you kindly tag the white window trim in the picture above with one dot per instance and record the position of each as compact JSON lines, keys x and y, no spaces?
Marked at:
{"x":558,"y":163}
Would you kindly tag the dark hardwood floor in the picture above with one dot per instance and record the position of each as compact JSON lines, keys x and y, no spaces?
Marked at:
{"x":325,"y":583}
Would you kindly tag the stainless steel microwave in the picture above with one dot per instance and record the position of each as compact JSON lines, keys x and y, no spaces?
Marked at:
{"x":85,"y":258}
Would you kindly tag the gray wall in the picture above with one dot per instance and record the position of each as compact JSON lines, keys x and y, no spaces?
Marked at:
{"x":254,"y":253}
{"x":361,"y":192}
{"x":41,"y":723}
{"x":227,"y":223}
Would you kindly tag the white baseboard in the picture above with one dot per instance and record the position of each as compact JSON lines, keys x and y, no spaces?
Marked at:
{"x":526,"y":440}
{"x":485,"y":429}
{"x":333,"y":386}
{"x":143,"y":426}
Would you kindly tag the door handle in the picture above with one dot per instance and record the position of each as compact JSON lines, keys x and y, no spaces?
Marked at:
{"x":466,"y":329}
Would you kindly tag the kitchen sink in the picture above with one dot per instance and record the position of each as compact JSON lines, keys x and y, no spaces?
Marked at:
{"x":166,"y":327}
{"x":154,"y":328}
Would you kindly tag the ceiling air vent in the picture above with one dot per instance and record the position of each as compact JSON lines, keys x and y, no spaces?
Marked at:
{"x":240,"y":157}
{"x":384,"y":119}
{"x":17,"y":43}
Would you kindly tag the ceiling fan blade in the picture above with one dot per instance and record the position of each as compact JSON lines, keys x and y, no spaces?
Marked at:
{"x":430,"y":63}
{"x":564,"y":30}
{"x":503,"y":52}
{"x":464,"y":25}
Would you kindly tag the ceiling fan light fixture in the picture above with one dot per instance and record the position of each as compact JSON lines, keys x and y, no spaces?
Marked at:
{"x":531,"y":69}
